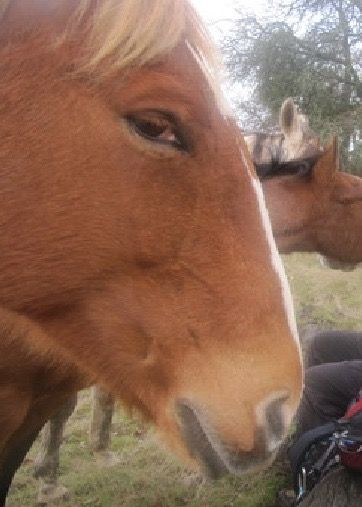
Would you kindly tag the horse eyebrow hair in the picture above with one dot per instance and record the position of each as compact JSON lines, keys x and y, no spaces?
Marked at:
{"x":275,"y":168}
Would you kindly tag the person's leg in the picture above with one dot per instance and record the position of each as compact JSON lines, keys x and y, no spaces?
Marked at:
{"x":333,"y":347}
{"x":333,"y":377}
{"x":329,"y":388}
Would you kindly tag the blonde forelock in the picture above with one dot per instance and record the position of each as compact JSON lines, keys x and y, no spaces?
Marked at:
{"x":120,"y":34}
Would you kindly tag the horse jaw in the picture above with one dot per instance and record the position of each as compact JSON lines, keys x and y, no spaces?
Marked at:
{"x":330,"y":262}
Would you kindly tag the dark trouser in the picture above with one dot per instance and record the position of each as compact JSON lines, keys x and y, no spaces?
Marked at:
{"x":333,"y":378}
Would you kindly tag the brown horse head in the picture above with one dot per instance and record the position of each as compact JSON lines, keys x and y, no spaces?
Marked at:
{"x":317,"y":210}
{"x":133,"y":228}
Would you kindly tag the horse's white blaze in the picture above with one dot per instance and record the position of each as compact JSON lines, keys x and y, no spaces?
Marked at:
{"x":277,"y":263}
{"x":275,"y":257}
{"x":213,"y":79}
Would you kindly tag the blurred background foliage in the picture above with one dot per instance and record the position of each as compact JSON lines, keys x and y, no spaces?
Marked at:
{"x":310,"y":50}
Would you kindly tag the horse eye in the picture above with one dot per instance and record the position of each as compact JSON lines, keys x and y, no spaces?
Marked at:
{"x":157,"y":127}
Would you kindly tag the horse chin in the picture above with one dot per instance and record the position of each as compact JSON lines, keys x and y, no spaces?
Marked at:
{"x":330,"y":262}
{"x":210,"y":453}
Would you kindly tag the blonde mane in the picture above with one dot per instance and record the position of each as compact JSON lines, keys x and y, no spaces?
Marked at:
{"x":133,"y":33}
{"x":136,"y":32}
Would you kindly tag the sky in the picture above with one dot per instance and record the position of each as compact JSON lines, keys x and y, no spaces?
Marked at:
{"x":213,"y":10}
{"x":216,"y":13}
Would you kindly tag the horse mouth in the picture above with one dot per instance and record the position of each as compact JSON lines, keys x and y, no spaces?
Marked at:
{"x":333,"y":263}
{"x":215,"y":457}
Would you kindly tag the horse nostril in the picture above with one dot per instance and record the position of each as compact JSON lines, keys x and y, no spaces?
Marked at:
{"x":197,"y":440}
{"x":275,"y":422}
{"x":217,"y":456}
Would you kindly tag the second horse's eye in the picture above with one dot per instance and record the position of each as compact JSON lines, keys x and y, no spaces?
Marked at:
{"x":156,"y":127}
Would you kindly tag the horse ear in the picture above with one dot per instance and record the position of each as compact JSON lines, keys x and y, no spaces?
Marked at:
{"x":328,"y":163}
{"x":288,"y":117}
{"x":349,"y":189}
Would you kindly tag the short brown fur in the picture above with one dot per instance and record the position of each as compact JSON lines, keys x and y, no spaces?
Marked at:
{"x":319,"y":211}
{"x":136,"y":262}
{"x":318,"y":208}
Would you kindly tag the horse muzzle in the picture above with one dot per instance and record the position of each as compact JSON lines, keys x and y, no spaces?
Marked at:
{"x":332,"y":263}
{"x":217,"y":457}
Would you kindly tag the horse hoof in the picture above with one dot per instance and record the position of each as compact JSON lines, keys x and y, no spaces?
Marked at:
{"x":52,"y":494}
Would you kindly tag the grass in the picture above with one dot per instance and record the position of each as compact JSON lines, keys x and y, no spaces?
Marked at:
{"x":147,"y":476}
{"x":324,"y":298}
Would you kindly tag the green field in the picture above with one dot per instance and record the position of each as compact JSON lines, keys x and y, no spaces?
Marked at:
{"x":147,"y":476}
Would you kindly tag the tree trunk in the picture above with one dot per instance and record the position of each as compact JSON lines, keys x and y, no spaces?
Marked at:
{"x":340,"y":488}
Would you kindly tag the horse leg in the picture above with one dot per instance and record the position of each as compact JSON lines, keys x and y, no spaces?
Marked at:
{"x":14,"y":405}
{"x":100,"y":427}
{"x":47,"y":462}
{"x":21,"y":440}
{"x":14,"y":456}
